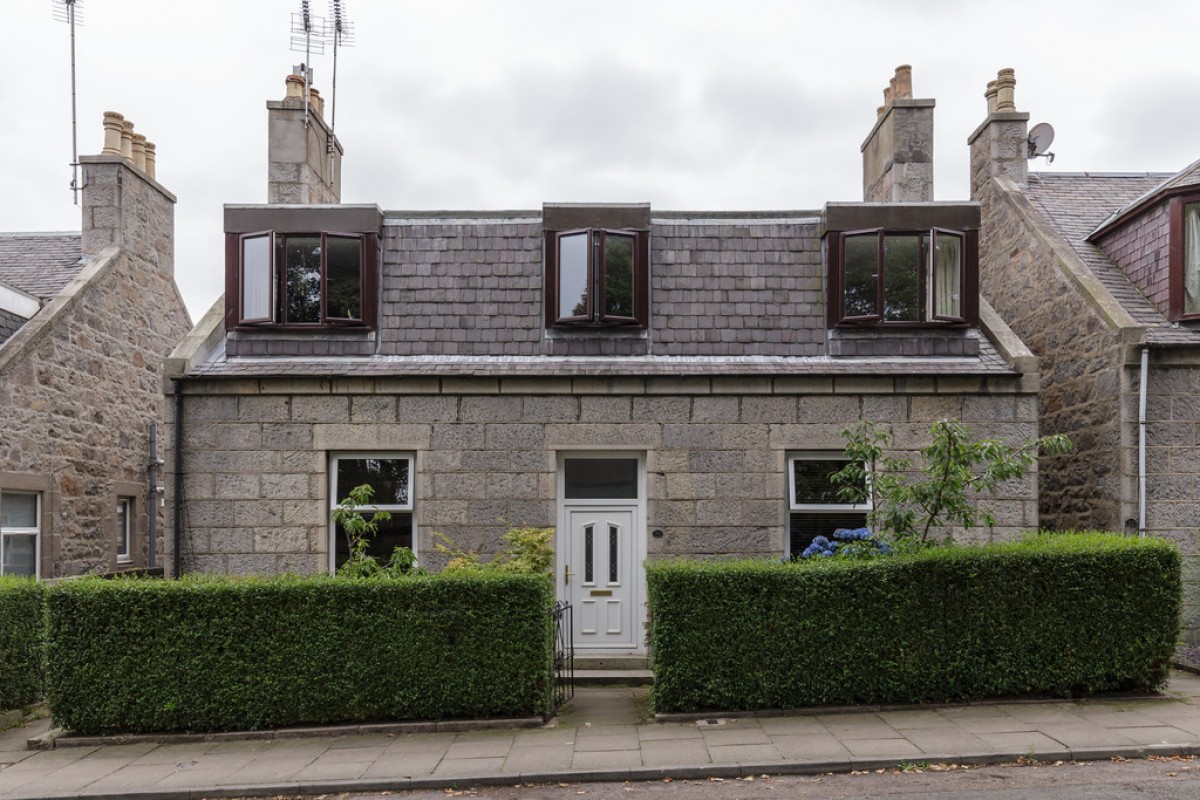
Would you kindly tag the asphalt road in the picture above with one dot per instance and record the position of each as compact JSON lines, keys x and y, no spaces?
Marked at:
{"x":1176,"y":778}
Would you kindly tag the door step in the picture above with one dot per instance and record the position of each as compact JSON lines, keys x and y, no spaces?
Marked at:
{"x":605,"y":670}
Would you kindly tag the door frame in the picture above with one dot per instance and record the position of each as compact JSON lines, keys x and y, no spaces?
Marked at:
{"x":637,"y":597}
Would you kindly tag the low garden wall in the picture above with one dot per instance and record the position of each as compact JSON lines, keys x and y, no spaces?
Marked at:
{"x":21,"y":642}
{"x":227,"y":654}
{"x":1057,"y":614}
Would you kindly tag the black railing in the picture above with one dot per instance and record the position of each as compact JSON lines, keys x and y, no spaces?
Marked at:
{"x":564,"y":653}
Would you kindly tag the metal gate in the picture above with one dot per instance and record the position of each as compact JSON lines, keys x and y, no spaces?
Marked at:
{"x":564,"y":653}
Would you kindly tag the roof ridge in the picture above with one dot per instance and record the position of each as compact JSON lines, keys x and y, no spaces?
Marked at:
{"x":27,"y":234}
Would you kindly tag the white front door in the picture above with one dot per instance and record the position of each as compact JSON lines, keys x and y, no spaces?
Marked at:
{"x":600,"y":579}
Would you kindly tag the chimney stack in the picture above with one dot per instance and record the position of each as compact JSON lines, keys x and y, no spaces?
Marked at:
{"x":122,"y":203}
{"x":304,"y":157}
{"x":898,"y":153}
{"x":1000,"y":146}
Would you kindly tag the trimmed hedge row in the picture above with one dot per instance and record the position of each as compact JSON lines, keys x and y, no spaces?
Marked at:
{"x":1061,"y":614}
{"x":211,"y":654}
{"x":20,"y":642}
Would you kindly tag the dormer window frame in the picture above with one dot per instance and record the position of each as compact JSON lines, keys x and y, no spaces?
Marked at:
{"x":1184,"y":259}
{"x":597,"y":273}
{"x":272,"y":261}
{"x":927,"y":316}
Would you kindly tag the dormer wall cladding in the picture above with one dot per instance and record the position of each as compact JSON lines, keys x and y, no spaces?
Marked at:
{"x":1141,"y":247}
{"x":473,"y":287}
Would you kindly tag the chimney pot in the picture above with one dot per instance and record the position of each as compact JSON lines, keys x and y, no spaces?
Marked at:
{"x":150,"y":156}
{"x":295,"y":87}
{"x":1005,"y":82}
{"x":902,"y":82}
{"x":127,"y":140}
{"x":138,"y":147}
{"x":316,"y":101}
{"x":990,"y":95}
{"x":112,"y":133}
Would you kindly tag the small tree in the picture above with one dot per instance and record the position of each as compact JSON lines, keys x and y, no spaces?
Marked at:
{"x":359,"y":531}
{"x":908,"y":503}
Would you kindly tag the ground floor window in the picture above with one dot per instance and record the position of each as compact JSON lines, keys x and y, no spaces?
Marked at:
{"x":124,"y":528}
{"x":814,"y":508}
{"x":20,"y":515}
{"x":390,"y":475}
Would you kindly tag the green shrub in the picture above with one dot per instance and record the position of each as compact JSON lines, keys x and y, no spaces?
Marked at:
{"x":20,"y":642}
{"x":1053,"y":614}
{"x":209,"y":654}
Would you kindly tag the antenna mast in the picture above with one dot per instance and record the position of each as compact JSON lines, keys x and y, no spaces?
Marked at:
{"x":342,"y":35}
{"x":304,"y":28}
{"x":67,"y":11}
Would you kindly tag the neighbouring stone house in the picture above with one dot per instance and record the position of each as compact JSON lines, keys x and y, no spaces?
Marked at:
{"x":648,"y":382}
{"x":1100,"y":275}
{"x":86,"y":320}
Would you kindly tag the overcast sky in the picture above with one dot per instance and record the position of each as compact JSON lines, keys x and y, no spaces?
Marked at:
{"x":490,"y":104}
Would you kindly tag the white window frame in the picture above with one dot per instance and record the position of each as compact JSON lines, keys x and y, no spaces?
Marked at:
{"x":334,"y":500}
{"x":35,"y":531}
{"x":125,"y":536}
{"x":795,"y":507}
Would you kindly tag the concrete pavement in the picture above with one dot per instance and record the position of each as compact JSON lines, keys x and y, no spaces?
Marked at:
{"x":605,"y":734}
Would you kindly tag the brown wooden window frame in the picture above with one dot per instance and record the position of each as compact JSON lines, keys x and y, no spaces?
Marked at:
{"x":235,"y":275}
{"x":596,"y":278}
{"x":1177,"y":260}
{"x":927,"y":295}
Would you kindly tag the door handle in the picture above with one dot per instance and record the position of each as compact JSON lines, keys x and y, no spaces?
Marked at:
{"x":567,"y":574}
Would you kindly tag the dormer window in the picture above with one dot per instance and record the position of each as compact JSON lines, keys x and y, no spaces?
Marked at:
{"x":302,"y":279}
{"x":597,"y":277}
{"x":1185,"y":257}
{"x":921,"y":272}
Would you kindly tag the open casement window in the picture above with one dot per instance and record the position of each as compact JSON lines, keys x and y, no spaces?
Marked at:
{"x":814,"y":507}
{"x":391,"y":476}
{"x":20,"y":529}
{"x":902,"y":278}
{"x":305,"y":279}
{"x":597,"y":277}
{"x":1185,"y":258}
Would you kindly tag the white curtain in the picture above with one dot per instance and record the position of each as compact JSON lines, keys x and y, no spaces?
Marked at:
{"x":1191,"y":258}
{"x":947,"y":275}
{"x":256,"y":278}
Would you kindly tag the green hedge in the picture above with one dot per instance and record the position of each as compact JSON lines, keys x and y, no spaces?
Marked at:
{"x":1059,"y":614}
{"x":20,"y":642}
{"x":226,"y":654}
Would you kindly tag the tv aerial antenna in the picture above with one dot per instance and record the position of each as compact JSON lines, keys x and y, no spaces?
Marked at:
{"x":308,"y":37}
{"x":68,"y":11}
{"x":1040,"y":138}
{"x":341,"y":34}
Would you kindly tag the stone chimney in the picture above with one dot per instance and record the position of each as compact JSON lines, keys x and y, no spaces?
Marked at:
{"x":898,"y":153}
{"x":304,"y":157}
{"x":1000,"y":146}
{"x":123,"y":204}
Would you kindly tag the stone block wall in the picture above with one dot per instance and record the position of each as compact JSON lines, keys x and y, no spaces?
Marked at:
{"x":256,"y":454}
{"x":76,"y":405}
{"x":1142,"y":248}
{"x":1081,"y":360}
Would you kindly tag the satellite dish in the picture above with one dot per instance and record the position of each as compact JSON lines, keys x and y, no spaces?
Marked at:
{"x":1039,"y":141}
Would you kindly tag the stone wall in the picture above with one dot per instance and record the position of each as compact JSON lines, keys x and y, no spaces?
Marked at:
{"x":1172,"y":466}
{"x":80,"y":385}
{"x":1081,"y":357}
{"x":256,"y":453}
{"x":1142,"y":248}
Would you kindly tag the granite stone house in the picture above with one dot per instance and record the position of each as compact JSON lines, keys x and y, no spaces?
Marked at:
{"x":1100,"y":275}
{"x":86,"y":320}
{"x":648,"y":382}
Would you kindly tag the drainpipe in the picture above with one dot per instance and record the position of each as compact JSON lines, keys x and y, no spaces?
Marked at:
{"x":178,"y":499}
{"x":152,"y":505}
{"x":1142,"y":442}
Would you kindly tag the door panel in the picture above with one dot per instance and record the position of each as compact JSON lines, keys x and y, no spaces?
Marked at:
{"x":599,"y":578}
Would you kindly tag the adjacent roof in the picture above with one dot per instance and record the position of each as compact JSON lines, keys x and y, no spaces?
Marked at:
{"x":41,"y":264}
{"x":1077,"y":203}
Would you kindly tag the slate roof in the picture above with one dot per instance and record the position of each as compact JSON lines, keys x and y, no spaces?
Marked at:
{"x":1077,"y":203}
{"x":40,"y":264}
{"x":9,"y":323}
